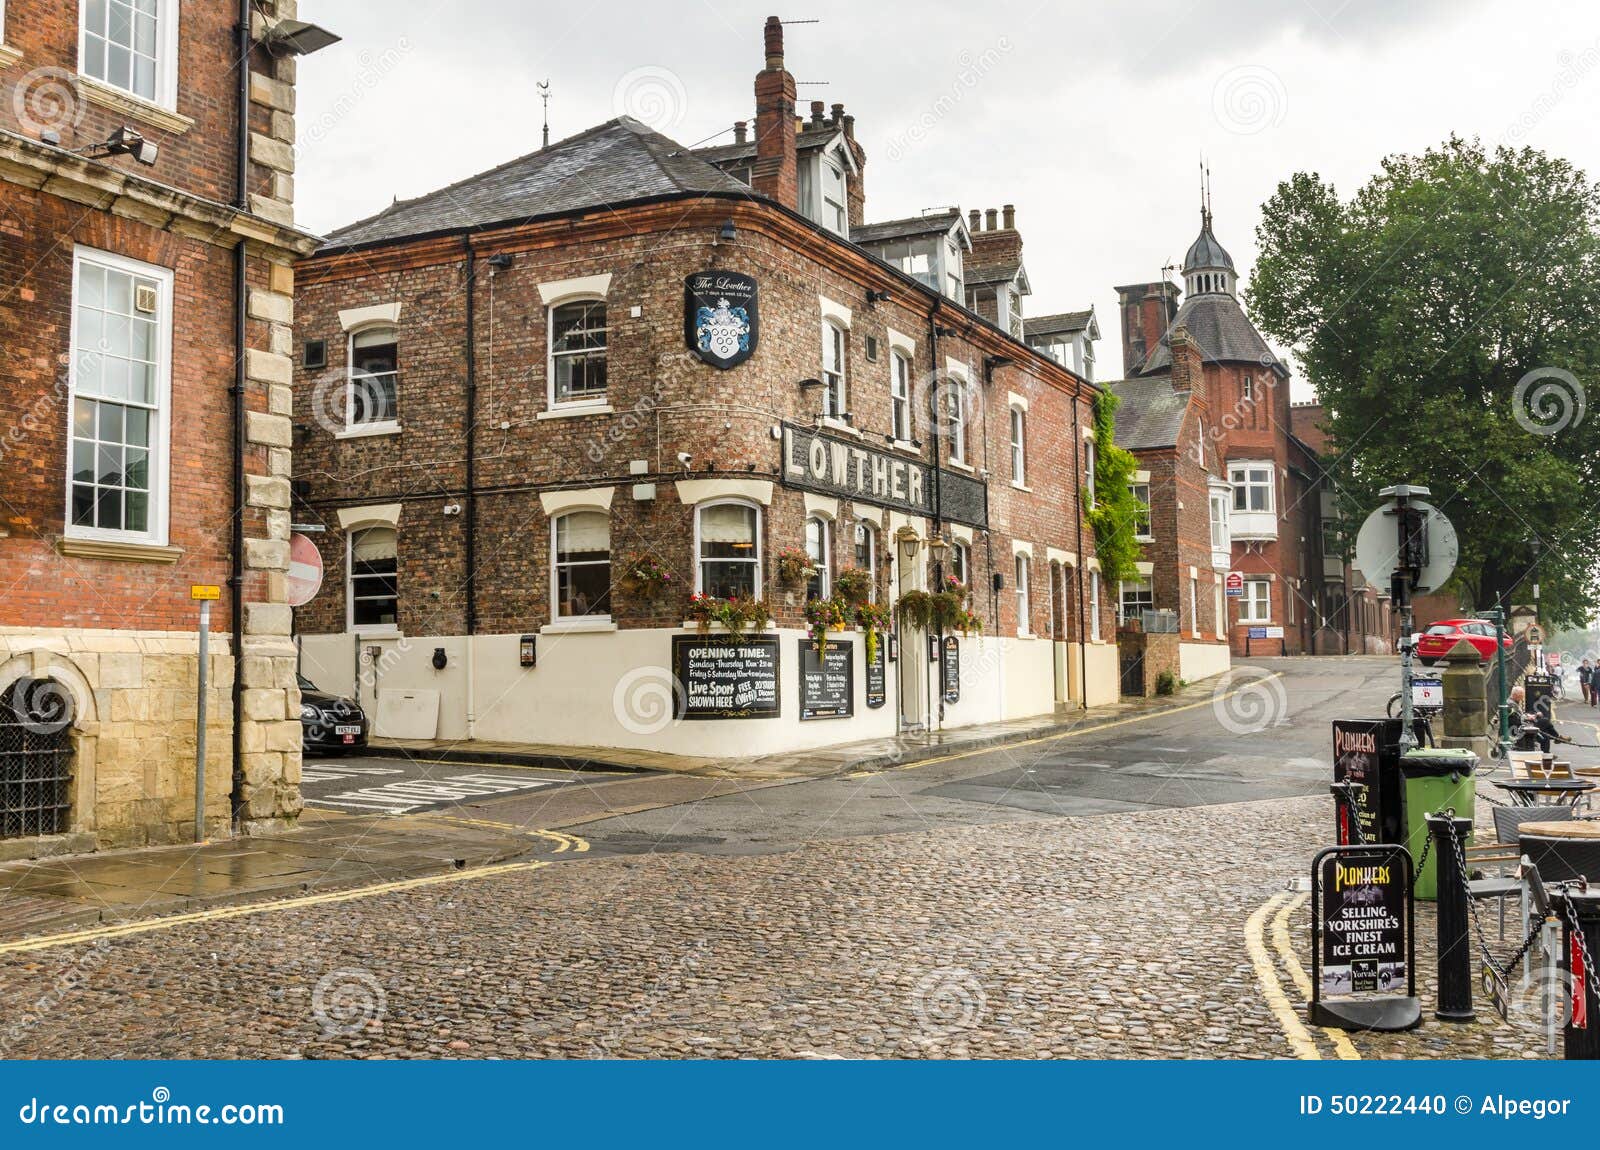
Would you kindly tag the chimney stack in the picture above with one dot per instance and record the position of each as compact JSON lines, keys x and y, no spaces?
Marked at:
{"x":1185,"y":360}
{"x":850,"y":128}
{"x":1147,"y":309}
{"x":775,"y":171}
{"x":1009,"y":215}
{"x":974,"y":220}
{"x":838,"y":115}
{"x":739,"y":133}
{"x":990,"y":217}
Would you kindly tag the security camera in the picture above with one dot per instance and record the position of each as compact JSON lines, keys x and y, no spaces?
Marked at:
{"x":685,"y":458}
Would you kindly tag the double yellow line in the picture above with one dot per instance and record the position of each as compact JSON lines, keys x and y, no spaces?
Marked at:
{"x":1280,"y":906}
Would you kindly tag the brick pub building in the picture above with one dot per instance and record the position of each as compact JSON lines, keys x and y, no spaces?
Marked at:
{"x":1269,"y":509}
{"x":147,"y":244}
{"x":513,"y":392}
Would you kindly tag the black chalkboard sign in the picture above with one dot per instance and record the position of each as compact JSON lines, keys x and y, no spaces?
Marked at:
{"x":951,"y":665}
{"x":1363,"y":948}
{"x":717,"y":679}
{"x":827,"y":683}
{"x":878,"y":676}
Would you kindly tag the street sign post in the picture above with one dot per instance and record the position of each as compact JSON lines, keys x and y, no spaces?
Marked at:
{"x":1409,"y":545}
{"x":205,"y":594}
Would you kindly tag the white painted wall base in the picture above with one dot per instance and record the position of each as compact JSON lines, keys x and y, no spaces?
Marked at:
{"x":1103,"y":685}
{"x":614,"y":689}
{"x":1198,"y":661}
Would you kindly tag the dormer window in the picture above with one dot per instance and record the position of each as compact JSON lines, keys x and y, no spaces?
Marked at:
{"x":835,"y":214}
{"x":823,"y":187}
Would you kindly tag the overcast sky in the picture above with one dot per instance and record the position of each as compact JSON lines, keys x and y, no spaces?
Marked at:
{"x":1090,"y":117}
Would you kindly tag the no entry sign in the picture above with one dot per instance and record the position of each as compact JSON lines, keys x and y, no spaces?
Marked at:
{"x":305,"y":571}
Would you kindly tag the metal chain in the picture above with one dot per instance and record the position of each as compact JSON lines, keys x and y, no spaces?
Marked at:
{"x":1416,"y":875}
{"x":1591,"y":976}
{"x":1533,"y":933}
{"x":1472,"y":907}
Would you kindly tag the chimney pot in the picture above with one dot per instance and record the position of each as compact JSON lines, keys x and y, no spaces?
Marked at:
{"x":838,"y":114}
{"x":816,"y":111}
{"x":1010,"y":216}
{"x":849,"y":127}
{"x":974,"y":219}
{"x":739,"y":131}
{"x":990,"y":219}
{"x":772,"y":37}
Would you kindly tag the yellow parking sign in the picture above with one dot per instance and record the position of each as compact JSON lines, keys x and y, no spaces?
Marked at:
{"x":204,"y":591}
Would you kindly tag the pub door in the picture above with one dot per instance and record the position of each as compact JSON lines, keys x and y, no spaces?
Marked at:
{"x":911,"y":672}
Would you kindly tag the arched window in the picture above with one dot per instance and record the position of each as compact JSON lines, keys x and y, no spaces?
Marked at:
{"x":580,"y":549}
{"x":728,"y":546}
{"x":36,"y":717}
{"x":961,"y":563}
{"x":819,"y":546}
{"x":578,"y":352}
{"x":374,"y":579}
{"x":1024,"y":619}
{"x":374,"y":385}
{"x":833,"y":385}
{"x":866,"y":555}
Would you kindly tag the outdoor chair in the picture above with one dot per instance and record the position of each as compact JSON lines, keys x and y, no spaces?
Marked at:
{"x":1506,"y":849}
{"x":1561,"y":860}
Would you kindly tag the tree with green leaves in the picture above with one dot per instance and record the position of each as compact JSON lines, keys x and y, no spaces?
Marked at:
{"x":1449,"y":318}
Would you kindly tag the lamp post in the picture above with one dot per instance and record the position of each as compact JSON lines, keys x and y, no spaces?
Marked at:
{"x":909,"y":545}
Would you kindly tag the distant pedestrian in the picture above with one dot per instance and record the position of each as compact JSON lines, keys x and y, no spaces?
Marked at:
{"x":1584,"y":670}
{"x":1594,"y":683}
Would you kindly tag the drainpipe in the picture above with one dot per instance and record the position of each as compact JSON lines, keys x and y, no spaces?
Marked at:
{"x":938,"y":517}
{"x":470,"y":517}
{"x":1083,"y":561}
{"x":236,"y":540}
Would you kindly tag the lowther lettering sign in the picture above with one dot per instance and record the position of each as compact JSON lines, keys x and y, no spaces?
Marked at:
{"x":835,"y":466}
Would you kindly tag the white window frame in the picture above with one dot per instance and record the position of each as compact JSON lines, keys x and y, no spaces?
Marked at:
{"x":1094,"y":606}
{"x":351,"y":625}
{"x":826,"y":208}
{"x":588,"y":401}
{"x":1089,"y":460}
{"x":1219,"y":605}
{"x":1024,"y":579}
{"x":1142,"y":585}
{"x":1144,"y":536}
{"x":961,"y":562}
{"x":371,"y":426}
{"x":1239,"y":478}
{"x":1248,"y":602}
{"x":166,"y":60}
{"x":823,"y":562}
{"x":902,"y":425}
{"x":555,"y":565}
{"x":1220,"y":537}
{"x":1248,"y":388}
{"x":1019,"y":447}
{"x":871,"y":568}
{"x":699,"y":559}
{"x":835,"y":393}
{"x":157,"y":514}
{"x":1194,"y":605}
{"x":952,"y":394}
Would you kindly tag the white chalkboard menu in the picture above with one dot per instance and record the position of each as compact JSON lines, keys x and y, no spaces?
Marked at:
{"x":718,"y":679}
{"x":827,"y":683}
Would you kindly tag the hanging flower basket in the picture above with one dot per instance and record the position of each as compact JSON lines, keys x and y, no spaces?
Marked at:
{"x":645,"y":576}
{"x":825,"y":615}
{"x":853,"y":585}
{"x":873,"y":619}
{"x":794,"y":567}
{"x":736,"y":615}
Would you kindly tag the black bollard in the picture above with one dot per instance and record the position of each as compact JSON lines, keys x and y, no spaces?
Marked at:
{"x":1584,"y":1043}
{"x":1455,"y":948}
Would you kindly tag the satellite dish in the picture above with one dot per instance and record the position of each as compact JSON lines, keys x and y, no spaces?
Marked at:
{"x":1378,"y":545}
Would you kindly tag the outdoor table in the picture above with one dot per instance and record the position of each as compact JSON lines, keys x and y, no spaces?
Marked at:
{"x":1570,"y":829}
{"x":1537,"y":792}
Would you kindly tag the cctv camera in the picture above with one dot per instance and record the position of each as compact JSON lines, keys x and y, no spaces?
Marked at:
{"x":685,"y":458}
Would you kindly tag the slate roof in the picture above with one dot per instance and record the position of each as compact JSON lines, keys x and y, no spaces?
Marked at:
{"x":1221,"y":331}
{"x":1150,"y":414}
{"x":804,"y":141}
{"x":981,"y":275}
{"x":934,"y":223}
{"x":617,"y":162}
{"x":1206,"y":252}
{"x":1062,"y":323}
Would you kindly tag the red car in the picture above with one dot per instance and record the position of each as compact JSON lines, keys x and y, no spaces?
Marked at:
{"x":1438,"y":640}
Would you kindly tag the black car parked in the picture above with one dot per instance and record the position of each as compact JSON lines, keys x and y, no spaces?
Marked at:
{"x":329,"y":723}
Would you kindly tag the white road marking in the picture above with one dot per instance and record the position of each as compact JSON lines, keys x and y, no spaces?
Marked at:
{"x":405,"y":795}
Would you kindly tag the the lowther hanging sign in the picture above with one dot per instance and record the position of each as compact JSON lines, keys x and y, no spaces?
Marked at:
{"x":721,"y":317}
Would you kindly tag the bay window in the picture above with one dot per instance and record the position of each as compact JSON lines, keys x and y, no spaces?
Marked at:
{"x":1252,"y":486}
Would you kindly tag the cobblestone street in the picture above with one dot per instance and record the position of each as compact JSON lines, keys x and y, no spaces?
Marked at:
{"x":1015,"y":934}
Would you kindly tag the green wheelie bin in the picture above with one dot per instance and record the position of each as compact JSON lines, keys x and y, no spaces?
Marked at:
{"x":1431,"y":780}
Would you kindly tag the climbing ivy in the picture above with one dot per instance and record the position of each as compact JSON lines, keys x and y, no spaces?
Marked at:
{"x":1114,"y":512}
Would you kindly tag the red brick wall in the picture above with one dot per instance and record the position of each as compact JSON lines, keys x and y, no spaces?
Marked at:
{"x":47,"y":589}
{"x":664,"y":401}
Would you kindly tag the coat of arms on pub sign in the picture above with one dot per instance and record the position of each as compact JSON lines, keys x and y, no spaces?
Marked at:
{"x":720,"y":318}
